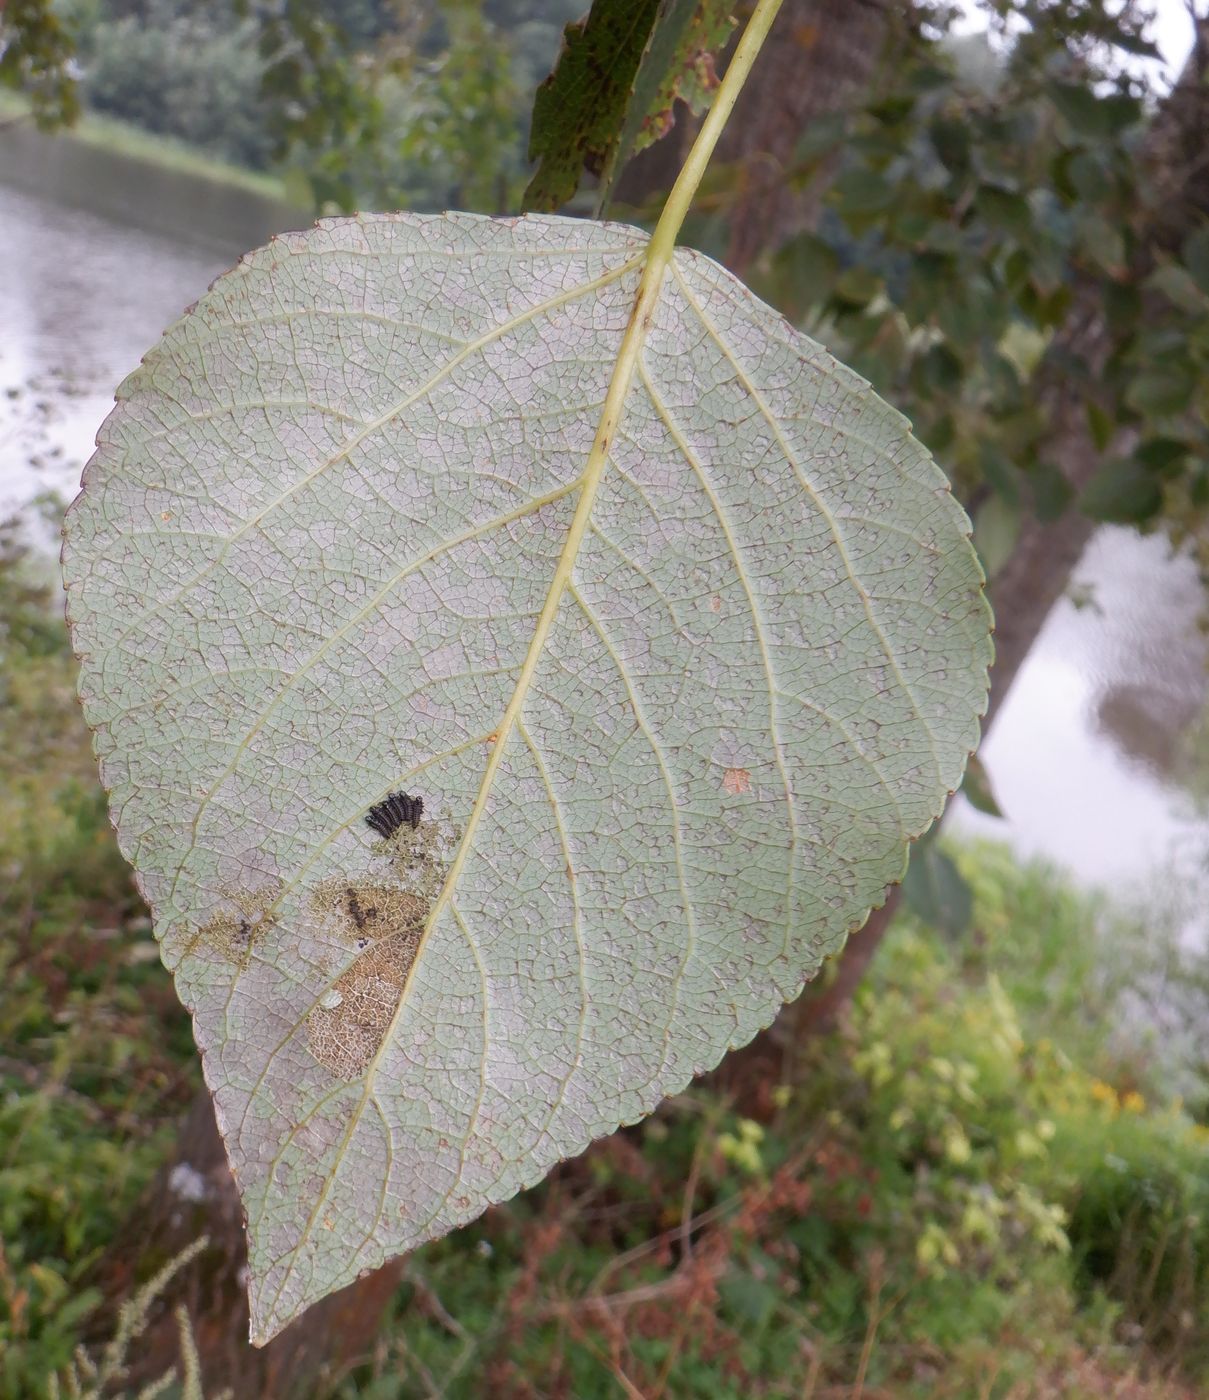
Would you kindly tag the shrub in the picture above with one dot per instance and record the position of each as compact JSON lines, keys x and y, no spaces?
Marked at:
{"x":192,"y":75}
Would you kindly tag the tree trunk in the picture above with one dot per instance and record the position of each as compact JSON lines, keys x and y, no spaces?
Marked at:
{"x":1045,"y":555}
{"x":193,"y":1195}
{"x":820,"y":58}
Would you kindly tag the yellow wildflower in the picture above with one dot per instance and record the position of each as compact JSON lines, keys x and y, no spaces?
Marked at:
{"x":1104,"y":1093}
{"x":957,"y":1145}
{"x":1029,"y":1144}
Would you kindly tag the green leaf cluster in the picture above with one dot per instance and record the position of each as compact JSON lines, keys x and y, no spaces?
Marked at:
{"x":35,"y":56}
{"x":971,"y":221}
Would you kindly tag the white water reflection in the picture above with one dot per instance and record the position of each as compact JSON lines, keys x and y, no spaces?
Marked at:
{"x":1087,"y":756}
{"x":81,"y":300}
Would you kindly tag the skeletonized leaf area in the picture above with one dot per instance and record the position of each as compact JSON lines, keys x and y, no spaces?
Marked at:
{"x":305,"y":574}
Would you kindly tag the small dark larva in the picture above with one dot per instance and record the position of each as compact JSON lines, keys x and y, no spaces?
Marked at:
{"x":398,"y":808}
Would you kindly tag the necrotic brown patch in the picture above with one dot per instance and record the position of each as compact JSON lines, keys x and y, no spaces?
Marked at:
{"x":231,"y":934}
{"x":346,"y":1029}
{"x":384,"y":921}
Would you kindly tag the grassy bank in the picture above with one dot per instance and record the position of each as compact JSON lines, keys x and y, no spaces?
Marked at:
{"x":981,"y":1185}
{"x":99,"y":132}
{"x":149,"y":182}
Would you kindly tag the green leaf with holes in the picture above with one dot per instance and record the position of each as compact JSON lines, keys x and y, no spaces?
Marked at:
{"x":678,"y":64}
{"x":579,"y":110}
{"x":673,"y":704}
{"x":614,"y":88}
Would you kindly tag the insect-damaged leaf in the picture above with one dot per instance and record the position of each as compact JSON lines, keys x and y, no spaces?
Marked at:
{"x":678,"y":63}
{"x":307,"y":578}
{"x":579,"y":109}
{"x":612,"y":91}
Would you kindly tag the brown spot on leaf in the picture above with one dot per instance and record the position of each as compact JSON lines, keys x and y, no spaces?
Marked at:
{"x":383,"y":920}
{"x":231,"y":934}
{"x":736,"y":780}
{"x":386,"y":924}
{"x":368,"y":910}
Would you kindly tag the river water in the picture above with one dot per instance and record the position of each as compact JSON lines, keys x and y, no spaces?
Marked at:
{"x":81,"y":299}
{"x":1093,"y":756}
{"x":1088,"y":756}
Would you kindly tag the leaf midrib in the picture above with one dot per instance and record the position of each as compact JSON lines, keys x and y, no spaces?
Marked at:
{"x":656,"y":258}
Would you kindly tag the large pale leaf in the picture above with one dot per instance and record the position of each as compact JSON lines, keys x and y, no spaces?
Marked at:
{"x":306,"y":571}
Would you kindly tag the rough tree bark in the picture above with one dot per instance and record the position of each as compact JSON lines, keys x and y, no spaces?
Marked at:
{"x":1039,"y":569}
{"x":822,"y":58}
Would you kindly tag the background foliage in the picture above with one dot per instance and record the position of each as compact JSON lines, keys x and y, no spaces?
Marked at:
{"x":981,"y":198}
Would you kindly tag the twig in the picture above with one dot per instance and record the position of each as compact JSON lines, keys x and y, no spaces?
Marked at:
{"x":875,"y":1317}
{"x":812,"y":1375}
{"x":690,"y":1192}
{"x":594,"y":1291}
{"x":434,"y":1307}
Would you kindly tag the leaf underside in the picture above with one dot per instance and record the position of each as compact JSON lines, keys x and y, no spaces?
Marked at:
{"x":303,"y":574}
